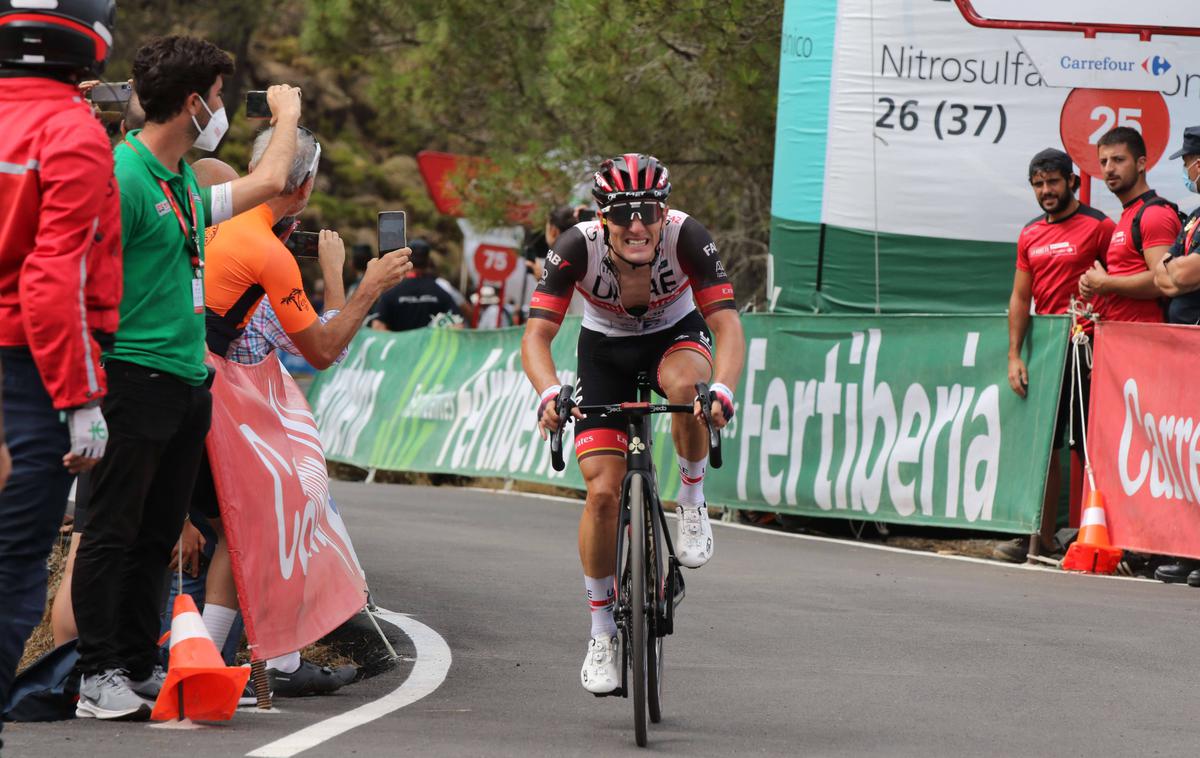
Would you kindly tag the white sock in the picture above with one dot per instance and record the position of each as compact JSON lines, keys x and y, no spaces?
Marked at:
{"x":285,"y":664}
{"x":218,"y":619}
{"x":600,"y":601}
{"x":691,"y":481}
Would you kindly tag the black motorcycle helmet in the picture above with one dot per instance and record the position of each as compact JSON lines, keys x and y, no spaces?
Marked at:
{"x":72,"y":37}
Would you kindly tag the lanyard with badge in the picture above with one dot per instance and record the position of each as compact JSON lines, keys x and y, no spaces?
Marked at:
{"x":191,"y":234}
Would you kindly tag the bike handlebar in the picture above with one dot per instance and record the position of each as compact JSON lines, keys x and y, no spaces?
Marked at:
{"x":565,"y":402}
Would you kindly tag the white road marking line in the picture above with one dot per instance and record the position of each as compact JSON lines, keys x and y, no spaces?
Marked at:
{"x":849,"y":543}
{"x":428,"y":673}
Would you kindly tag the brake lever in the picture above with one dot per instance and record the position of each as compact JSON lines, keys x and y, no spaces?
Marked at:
{"x":562,"y":405}
{"x":714,"y":434}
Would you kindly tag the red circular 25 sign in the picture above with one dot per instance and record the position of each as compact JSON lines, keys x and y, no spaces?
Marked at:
{"x":1089,"y":113}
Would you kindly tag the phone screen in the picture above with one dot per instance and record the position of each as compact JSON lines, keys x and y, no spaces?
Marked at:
{"x":256,"y":104}
{"x":304,"y":244}
{"x":111,"y":92}
{"x":392,"y":233}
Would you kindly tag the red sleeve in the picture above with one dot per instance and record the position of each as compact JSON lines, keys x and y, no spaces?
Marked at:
{"x":698,"y":256}
{"x":1022,"y":254}
{"x":1160,"y":226}
{"x":76,"y":173}
{"x":566,"y":264}
{"x":1104,"y":233}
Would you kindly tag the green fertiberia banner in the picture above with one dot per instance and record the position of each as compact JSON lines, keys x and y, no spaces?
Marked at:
{"x":902,"y":419}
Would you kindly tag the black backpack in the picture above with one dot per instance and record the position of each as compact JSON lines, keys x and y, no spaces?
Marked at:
{"x":1137,"y":219}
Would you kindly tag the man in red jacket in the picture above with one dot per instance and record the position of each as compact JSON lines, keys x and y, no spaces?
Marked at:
{"x":60,"y":285}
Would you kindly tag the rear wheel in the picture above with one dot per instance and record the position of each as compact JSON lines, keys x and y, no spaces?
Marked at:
{"x":640,"y":633}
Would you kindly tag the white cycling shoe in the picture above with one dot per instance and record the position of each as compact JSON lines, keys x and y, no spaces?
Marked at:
{"x":694,"y":538}
{"x":600,"y":674}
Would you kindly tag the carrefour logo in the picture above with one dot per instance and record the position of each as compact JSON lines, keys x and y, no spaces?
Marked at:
{"x":1156,"y":65}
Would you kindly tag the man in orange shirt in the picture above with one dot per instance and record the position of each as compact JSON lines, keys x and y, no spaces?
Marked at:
{"x":246,"y":261}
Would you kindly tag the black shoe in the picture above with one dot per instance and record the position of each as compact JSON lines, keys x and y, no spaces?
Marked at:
{"x":1193,"y":579}
{"x":310,"y":679}
{"x":1175,"y":573}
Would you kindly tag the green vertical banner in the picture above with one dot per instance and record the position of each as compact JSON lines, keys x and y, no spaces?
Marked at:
{"x":901,"y":419}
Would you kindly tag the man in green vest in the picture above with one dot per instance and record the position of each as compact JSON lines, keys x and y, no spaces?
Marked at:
{"x":158,"y":404}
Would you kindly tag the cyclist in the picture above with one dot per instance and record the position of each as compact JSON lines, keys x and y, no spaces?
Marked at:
{"x":652,"y":286}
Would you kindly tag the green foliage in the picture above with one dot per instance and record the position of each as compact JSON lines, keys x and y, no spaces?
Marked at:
{"x":542,"y":89}
{"x":535,"y":86}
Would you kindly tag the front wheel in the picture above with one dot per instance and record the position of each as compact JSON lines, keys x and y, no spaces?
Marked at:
{"x":641,"y":637}
{"x":656,"y":591}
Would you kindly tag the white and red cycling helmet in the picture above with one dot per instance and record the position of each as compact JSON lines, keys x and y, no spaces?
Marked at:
{"x":631,"y":177}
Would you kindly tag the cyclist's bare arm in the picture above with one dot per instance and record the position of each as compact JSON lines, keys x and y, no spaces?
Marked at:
{"x":726,"y":326}
{"x":539,"y":367}
{"x":564,"y":265}
{"x":714,"y":297}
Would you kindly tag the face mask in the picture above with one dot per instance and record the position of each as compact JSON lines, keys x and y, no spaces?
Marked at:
{"x":1188,"y":181}
{"x":210,"y":136}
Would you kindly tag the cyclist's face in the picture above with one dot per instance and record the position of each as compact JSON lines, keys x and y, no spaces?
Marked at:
{"x":637,"y":241}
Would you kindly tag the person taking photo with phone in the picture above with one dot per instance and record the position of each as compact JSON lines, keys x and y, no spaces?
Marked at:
{"x":158,"y":405}
{"x":248,"y":265}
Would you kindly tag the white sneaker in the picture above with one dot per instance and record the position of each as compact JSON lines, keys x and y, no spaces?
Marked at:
{"x":694,"y":539}
{"x":599,"y":673}
{"x":107,"y":696}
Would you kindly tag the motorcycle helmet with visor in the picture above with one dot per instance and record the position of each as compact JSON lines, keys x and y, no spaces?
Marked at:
{"x":63,"y":37}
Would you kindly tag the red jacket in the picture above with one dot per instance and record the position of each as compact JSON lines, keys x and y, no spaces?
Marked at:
{"x":60,"y":235}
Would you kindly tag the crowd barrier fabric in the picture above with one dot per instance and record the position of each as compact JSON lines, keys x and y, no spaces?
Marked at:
{"x":297,"y":574}
{"x":1144,"y":438}
{"x":903,"y":419}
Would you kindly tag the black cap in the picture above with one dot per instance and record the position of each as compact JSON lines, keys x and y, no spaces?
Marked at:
{"x":1051,"y":159}
{"x":1191,"y":143}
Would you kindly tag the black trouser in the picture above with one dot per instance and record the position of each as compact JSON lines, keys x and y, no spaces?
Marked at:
{"x":141,"y":490}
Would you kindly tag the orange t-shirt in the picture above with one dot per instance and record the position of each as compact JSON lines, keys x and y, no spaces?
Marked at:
{"x":244,"y":261}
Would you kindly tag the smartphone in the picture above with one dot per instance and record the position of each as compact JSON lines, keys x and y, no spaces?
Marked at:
{"x":392,"y":233}
{"x":111,"y":92}
{"x":304,"y":244}
{"x":256,"y":104}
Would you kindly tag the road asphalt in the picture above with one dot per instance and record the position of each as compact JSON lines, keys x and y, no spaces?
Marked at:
{"x":784,"y":646}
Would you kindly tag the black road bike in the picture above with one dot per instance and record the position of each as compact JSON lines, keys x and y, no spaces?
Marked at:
{"x":649,"y":580}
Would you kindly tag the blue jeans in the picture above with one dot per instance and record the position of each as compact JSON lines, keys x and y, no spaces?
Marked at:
{"x":31,"y":505}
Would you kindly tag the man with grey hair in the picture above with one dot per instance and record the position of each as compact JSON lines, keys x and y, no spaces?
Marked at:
{"x":247,"y":262}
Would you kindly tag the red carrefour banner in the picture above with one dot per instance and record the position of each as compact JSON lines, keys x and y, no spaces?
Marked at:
{"x":1144,"y":438}
{"x":297,"y":575}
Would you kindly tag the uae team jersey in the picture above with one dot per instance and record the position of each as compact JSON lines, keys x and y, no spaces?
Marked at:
{"x":687,"y":273}
{"x":1057,"y":253}
{"x":1160,"y":226}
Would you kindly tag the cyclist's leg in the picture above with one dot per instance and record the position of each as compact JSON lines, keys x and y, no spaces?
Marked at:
{"x":600,"y":445}
{"x":687,"y":360}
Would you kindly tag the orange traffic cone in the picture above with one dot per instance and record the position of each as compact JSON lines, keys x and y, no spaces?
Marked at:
{"x":199,"y":685}
{"x":1092,"y":552}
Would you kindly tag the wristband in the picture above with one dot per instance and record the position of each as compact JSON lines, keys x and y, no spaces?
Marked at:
{"x":548,"y":395}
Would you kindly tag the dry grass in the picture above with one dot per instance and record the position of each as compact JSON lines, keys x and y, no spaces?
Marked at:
{"x":42,"y":639}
